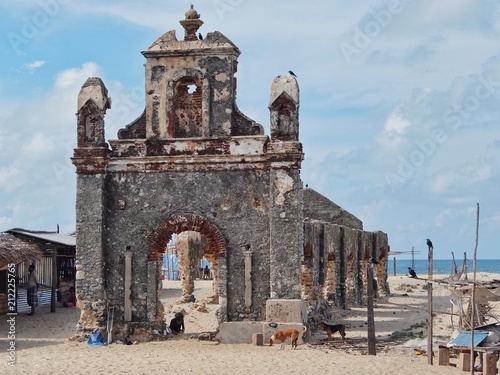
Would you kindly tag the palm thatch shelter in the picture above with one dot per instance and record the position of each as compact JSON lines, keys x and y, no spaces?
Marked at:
{"x":15,"y":250}
{"x":53,"y":255}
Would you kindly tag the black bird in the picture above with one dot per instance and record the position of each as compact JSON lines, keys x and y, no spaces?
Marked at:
{"x":412,"y":272}
{"x":200,"y":36}
{"x":429,"y":243}
{"x":292,"y":73}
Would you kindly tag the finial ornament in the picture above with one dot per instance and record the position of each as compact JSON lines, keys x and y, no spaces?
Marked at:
{"x":191,"y":24}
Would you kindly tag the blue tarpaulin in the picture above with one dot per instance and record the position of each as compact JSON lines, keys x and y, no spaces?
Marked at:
{"x":170,"y":267}
{"x":464,"y":339}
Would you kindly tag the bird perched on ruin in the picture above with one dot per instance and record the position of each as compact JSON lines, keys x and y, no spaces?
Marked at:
{"x":200,"y":36}
{"x":292,"y":73}
{"x":429,"y":243}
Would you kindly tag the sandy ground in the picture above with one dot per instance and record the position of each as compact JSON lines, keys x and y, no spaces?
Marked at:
{"x":42,"y":345}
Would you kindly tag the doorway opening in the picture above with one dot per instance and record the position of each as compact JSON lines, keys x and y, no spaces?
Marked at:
{"x":190,"y":283}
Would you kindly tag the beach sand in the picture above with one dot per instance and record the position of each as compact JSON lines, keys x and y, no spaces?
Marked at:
{"x":42,"y":344}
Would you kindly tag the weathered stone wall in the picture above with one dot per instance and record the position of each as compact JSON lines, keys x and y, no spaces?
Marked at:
{"x":90,"y":258}
{"x":318,"y":207}
{"x":335,"y":261}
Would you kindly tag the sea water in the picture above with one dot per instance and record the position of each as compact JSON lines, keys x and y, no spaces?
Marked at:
{"x":441,"y":266}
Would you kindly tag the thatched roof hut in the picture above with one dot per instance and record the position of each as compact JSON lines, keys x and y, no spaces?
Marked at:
{"x":15,"y":250}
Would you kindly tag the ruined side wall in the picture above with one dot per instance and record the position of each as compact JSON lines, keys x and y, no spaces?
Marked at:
{"x":335,"y":262}
{"x":234,"y":201}
{"x":353,"y":277}
{"x":318,"y":207}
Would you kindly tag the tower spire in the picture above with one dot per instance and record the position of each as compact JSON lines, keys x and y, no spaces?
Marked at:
{"x":191,"y":24}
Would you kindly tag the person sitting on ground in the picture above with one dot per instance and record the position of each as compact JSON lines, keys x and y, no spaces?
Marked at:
{"x":71,"y":302}
{"x":412,"y":272}
{"x":177,"y":323}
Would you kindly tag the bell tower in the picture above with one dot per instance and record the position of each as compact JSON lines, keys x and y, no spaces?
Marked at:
{"x":190,"y":84}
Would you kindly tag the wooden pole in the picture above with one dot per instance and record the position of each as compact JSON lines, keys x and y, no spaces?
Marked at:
{"x":473,"y":296}
{"x":394,"y":265}
{"x":54,"y":280}
{"x":371,"y":320}
{"x":429,"y":306}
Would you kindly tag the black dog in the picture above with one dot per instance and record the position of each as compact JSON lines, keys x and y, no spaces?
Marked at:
{"x":332,"y":328}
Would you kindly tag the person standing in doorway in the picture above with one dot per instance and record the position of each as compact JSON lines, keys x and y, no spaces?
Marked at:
{"x":32,"y":289}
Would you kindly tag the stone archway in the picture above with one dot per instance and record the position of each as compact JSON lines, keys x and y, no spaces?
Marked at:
{"x":178,"y":223}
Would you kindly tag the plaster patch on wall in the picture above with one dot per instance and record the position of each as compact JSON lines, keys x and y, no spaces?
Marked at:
{"x":284,"y":184}
{"x":222,"y":77}
{"x":222,"y":95}
{"x":226,"y":126}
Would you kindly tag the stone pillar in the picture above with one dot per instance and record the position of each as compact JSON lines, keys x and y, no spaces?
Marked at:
{"x":382,"y":256}
{"x":333,"y":288}
{"x":185,"y":268}
{"x":248,"y":278}
{"x":286,"y":234}
{"x":90,"y":159}
{"x":128,"y":285}
{"x":214,"y":273}
{"x":90,"y":253}
{"x":351,"y":246}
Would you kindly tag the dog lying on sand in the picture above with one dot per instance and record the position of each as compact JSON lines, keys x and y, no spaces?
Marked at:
{"x":332,"y":328}
{"x":282,"y":335}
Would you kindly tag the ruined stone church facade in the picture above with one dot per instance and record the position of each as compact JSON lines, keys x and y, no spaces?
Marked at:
{"x":193,"y":162}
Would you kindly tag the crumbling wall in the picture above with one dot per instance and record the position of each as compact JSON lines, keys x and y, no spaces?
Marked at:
{"x":318,"y":207}
{"x":353,"y":281}
{"x":334,"y":265}
{"x":232,"y":200}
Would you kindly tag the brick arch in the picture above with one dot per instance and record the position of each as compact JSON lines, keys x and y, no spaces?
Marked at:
{"x":178,"y":223}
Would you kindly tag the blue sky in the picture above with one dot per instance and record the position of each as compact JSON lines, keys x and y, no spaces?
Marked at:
{"x":399,"y":113}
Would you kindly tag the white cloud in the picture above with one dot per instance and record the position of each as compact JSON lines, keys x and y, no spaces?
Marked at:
{"x":39,"y":146}
{"x":441,"y":182}
{"x":11,"y":177}
{"x":36,"y":155}
{"x":396,"y":124}
{"x":70,"y":78}
{"x":32,"y":67}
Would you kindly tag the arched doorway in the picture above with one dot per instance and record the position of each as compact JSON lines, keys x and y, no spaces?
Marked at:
{"x":214,"y":251}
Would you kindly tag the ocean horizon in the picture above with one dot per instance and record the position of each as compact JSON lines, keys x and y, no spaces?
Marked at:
{"x":441,"y":266}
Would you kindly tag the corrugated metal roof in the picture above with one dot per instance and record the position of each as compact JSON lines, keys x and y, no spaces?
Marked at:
{"x":53,"y":237}
{"x":464,"y":339}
